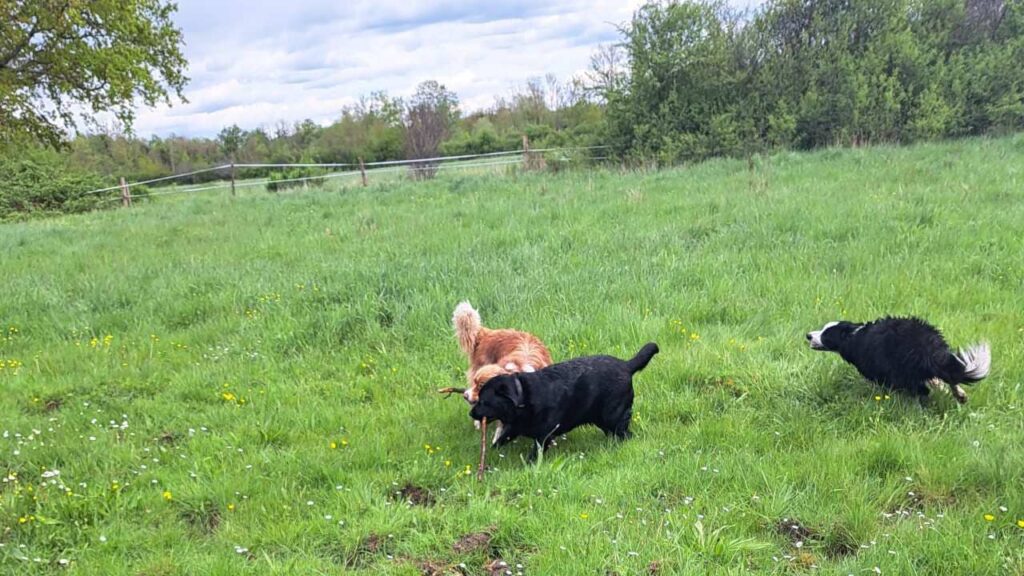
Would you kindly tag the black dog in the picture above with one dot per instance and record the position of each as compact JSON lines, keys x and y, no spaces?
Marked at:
{"x":903,"y":354}
{"x":590,"y":390}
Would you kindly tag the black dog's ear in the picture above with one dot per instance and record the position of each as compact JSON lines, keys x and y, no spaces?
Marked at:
{"x":513,"y":390}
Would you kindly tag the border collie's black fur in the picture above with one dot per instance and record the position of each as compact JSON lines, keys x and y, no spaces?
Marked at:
{"x":590,"y":390}
{"x":903,"y":354}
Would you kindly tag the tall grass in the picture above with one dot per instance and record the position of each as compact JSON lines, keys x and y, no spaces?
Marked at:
{"x":247,"y":385}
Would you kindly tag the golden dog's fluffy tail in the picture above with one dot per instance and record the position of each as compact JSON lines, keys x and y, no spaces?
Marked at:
{"x":466,"y":321}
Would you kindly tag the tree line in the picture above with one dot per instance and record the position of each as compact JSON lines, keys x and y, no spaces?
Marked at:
{"x":698,"y":79}
{"x":690,"y":79}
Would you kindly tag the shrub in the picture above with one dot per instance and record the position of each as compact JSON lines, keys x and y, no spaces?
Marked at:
{"x":41,"y":182}
{"x":290,"y":178}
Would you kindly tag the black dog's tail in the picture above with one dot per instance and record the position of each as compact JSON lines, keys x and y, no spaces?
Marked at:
{"x":639,"y":362}
{"x":968,"y":366}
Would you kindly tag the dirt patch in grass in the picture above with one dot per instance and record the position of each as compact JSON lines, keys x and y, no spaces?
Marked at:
{"x":796,"y":532}
{"x":916,"y":500}
{"x":496,"y":567}
{"x":654,"y":567}
{"x":468,"y":543}
{"x":168,"y":438}
{"x":53,"y":404}
{"x":372,"y":545}
{"x":837,"y":543}
{"x":415,"y":495}
{"x":205,"y":518}
{"x":432,"y":568}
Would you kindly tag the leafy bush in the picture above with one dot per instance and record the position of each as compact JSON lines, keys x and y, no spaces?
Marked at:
{"x":39,"y":182}
{"x":291,"y":178}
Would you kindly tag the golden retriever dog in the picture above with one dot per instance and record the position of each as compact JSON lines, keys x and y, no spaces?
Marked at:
{"x":494,"y":352}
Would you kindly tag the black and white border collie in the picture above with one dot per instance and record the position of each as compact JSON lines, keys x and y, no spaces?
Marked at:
{"x":903,"y":354}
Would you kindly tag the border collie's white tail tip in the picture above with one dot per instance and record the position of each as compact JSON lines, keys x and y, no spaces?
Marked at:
{"x":976,"y":360}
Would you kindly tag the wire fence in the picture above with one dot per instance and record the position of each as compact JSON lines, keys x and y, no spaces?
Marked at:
{"x":417,"y":168}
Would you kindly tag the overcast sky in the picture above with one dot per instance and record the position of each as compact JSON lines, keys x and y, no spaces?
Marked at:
{"x":255,"y":62}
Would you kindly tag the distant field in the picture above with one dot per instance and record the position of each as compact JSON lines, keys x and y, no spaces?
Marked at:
{"x":246,"y":386}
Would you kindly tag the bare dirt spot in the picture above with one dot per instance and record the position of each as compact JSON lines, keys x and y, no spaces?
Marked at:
{"x":432,"y":568}
{"x":205,"y":518}
{"x":53,"y":404}
{"x":415,"y":495}
{"x":168,"y":438}
{"x":474,"y":541}
{"x":916,"y":500}
{"x":840,"y":545}
{"x":654,"y":567}
{"x":496,"y":567}
{"x":796,"y":532}
{"x":372,"y":545}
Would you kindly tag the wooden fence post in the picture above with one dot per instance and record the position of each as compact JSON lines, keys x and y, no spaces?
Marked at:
{"x":126,"y":195}
{"x":362,"y":171}
{"x":526,"y":152}
{"x":232,"y":177}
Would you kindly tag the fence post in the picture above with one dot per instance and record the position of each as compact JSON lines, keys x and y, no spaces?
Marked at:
{"x":232,"y":177}
{"x":126,"y":195}
{"x":526,"y":152}
{"x":362,"y":171}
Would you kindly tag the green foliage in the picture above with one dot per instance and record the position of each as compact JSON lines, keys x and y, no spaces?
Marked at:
{"x":270,"y":362}
{"x":705,"y":82}
{"x":280,"y":180}
{"x":40,"y":182}
{"x":100,"y":56}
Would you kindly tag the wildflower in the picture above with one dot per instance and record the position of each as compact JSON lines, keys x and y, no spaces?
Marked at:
{"x":878,"y":398}
{"x":168,"y":496}
{"x":334,"y":445}
{"x":231,"y":507}
{"x":344,"y":442}
{"x":115,"y":486}
{"x":584,"y":516}
{"x":22,"y":520}
{"x":228,"y":396}
{"x":448,"y":463}
{"x":1020,"y":523}
{"x":989,"y":517}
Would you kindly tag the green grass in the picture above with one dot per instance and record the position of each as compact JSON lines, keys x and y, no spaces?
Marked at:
{"x":140,"y":332}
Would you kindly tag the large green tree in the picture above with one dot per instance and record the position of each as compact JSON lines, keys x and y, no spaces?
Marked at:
{"x":60,"y":59}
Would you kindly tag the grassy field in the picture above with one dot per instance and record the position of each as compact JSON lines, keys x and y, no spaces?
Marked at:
{"x":212,"y":385}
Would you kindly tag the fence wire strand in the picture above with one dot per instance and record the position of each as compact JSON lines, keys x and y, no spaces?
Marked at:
{"x":382,"y":167}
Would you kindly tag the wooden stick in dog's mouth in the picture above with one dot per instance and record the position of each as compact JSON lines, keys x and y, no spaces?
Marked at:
{"x":451,"y":390}
{"x":483,"y":449}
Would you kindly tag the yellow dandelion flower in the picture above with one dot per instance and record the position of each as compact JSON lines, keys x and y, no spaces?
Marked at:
{"x":231,"y":507}
{"x":448,"y":463}
{"x":344,"y":442}
{"x":334,"y":445}
{"x":114,"y":486}
{"x":584,"y":516}
{"x":1020,"y":523}
{"x":22,"y":520}
{"x":878,"y":398}
{"x":168,"y":496}
{"x":989,"y":517}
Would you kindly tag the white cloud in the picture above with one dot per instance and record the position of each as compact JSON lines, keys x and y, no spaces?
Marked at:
{"x":257,"y":62}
